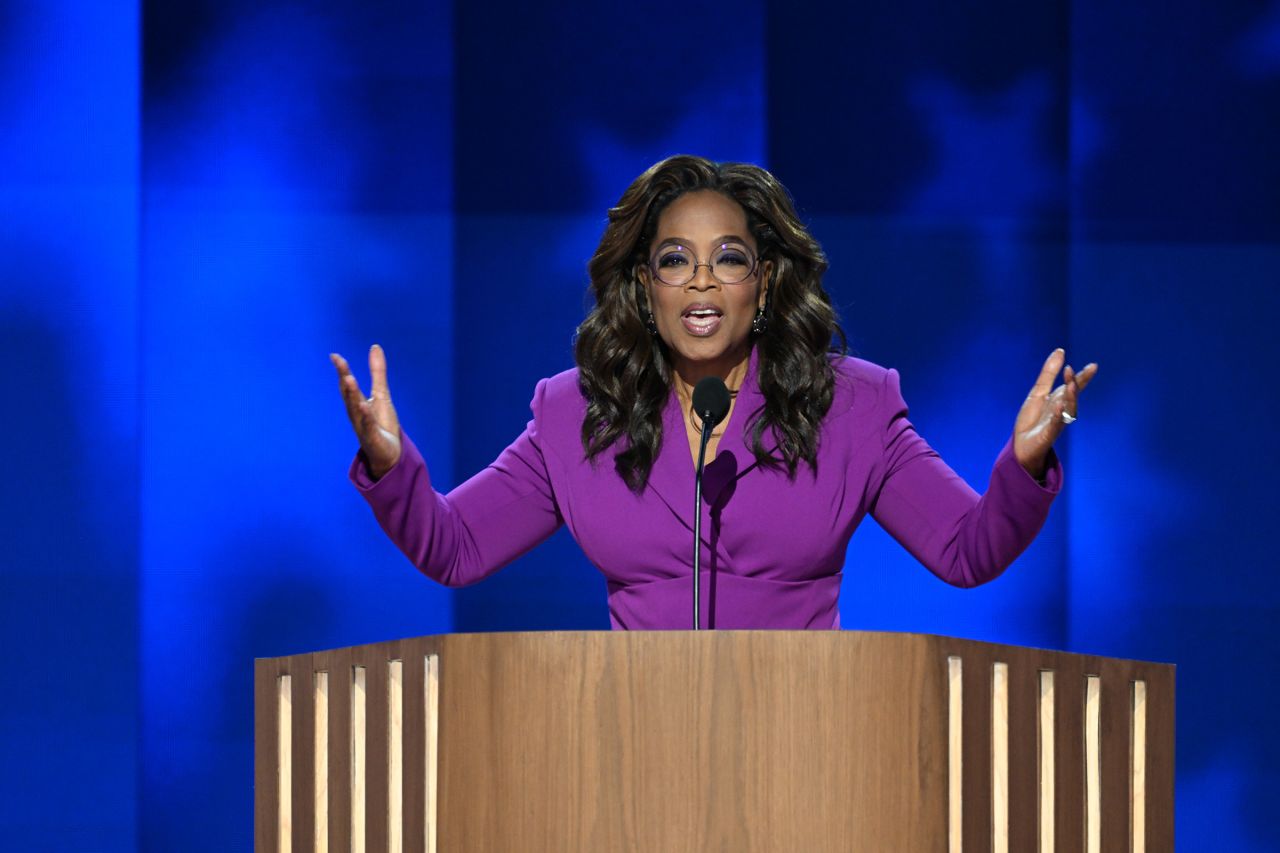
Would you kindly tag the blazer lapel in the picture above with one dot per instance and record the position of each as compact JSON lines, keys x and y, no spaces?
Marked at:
{"x":672,"y":475}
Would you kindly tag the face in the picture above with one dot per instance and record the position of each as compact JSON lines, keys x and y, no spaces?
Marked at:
{"x":706,"y":324}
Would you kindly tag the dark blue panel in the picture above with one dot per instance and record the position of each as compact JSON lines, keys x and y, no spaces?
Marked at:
{"x":949,"y":309}
{"x":521,"y":290}
{"x":297,"y":192}
{"x":1171,"y":560}
{"x":559,"y":107}
{"x":68,"y":338}
{"x":929,"y":145}
{"x":1181,"y":112}
{"x":921,"y":107}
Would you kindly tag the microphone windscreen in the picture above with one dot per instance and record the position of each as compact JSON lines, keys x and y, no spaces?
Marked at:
{"x":711,"y":400}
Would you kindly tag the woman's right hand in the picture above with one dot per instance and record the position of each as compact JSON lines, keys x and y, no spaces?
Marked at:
{"x":373,"y":417}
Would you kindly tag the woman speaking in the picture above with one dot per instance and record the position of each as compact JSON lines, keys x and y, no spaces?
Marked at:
{"x":704,"y":270}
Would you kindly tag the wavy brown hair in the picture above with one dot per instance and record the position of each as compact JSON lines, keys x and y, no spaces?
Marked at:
{"x":626,"y":373}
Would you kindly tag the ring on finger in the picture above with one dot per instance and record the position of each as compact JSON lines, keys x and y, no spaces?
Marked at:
{"x":1068,"y":418}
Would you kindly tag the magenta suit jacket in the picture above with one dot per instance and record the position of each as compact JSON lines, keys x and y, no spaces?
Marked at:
{"x":772,"y":548}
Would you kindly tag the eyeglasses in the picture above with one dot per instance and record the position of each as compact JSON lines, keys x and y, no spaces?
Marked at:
{"x":676,"y":266}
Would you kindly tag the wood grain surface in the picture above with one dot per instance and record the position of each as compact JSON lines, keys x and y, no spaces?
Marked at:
{"x":709,"y":741}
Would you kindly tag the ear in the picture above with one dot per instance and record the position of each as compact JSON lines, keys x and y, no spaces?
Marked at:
{"x":766,"y":281}
{"x":643,"y":279}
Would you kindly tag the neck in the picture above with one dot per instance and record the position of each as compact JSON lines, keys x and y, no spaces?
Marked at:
{"x":688,"y":374}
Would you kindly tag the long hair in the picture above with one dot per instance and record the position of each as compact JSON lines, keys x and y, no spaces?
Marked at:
{"x":626,"y":373}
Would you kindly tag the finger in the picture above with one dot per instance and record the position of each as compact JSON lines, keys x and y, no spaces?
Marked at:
{"x":340,"y":365}
{"x":350,"y":388}
{"x":1052,"y":364}
{"x":1070,"y":392}
{"x":1064,"y":406}
{"x":354,"y":400}
{"x":1085,"y":376}
{"x":378,"y":374}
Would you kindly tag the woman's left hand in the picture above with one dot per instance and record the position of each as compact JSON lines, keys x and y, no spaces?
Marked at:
{"x":1047,"y":411}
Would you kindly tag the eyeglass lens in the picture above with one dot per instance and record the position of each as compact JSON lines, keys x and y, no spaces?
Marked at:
{"x":677,"y":265}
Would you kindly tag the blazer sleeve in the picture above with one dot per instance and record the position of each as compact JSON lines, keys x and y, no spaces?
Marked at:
{"x":479,"y":527}
{"x":964,"y":538}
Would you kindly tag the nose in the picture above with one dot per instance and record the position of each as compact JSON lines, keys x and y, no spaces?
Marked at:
{"x":703,"y":280}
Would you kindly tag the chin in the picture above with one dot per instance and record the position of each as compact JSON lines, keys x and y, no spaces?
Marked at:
{"x":709,"y":351}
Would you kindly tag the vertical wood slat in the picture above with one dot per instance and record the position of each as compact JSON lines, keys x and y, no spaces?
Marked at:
{"x":395,"y":756}
{"x":303,"y":736}
{"x":977,"y":755}
{"x":414,"y":792}
{"x":1161,"y":686}
{"x":1024,"y":687}
{"x":340,"y":671}
{"x":284,"y":763}
{"x":955,"y":754}
{"x":1000,"y":757}
{"x":1068,"y":783}
{"x":1138,"y":771}
{"x":431,"y":752}
{"x":376,"y":752}
{"x":1115,"y":721}
{"x":1093,"y":764}
{"x":265,"y":793}
{"x":1046,"y":753}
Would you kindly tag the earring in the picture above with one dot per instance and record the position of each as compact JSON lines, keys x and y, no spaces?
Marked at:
{"x":650,"y":324}
{"x":759,"y":323}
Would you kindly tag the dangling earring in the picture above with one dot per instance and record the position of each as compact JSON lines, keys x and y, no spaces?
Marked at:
{"x":760,"y":322}
{"x":650,"y":324}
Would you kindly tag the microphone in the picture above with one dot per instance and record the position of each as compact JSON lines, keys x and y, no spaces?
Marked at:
{"x":711,"y":404}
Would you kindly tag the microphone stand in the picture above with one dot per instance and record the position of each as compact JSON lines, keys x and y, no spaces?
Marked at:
{"x":707,"y":426}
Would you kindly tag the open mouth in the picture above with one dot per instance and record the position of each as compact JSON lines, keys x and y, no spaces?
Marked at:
{"x":701,"y":320}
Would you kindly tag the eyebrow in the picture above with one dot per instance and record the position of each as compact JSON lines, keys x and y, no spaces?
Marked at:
{"x":722,"y":239}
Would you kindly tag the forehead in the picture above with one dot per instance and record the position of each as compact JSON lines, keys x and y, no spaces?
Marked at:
{"x":702,"y":216}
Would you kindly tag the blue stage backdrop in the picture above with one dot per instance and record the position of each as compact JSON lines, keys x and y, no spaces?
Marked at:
{"x":199,"y":201}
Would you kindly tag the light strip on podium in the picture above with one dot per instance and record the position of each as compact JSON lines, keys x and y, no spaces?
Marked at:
{"x":1138,"y":770}
{"x":321,"y":793}
{"x":1093,"y":764}
{"x":1000,"y":758}
{"x":284,"y":763}
{"x":955,"y":754}
{"x":395,"y":756}
{"x":431,"y":688}
{"x":1046,"y":762}
{"x":357,"y":758}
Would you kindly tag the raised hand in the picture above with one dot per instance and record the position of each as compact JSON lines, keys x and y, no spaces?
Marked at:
{"x":1047,"y":411}
{"x":373,"y":417}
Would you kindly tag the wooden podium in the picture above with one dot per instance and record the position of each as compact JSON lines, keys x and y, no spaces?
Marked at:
{"x":735,"y":741}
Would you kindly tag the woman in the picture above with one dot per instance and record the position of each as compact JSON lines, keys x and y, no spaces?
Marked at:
{"x":705,"y":270}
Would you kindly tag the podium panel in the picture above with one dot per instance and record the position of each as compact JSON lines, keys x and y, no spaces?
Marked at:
{"x":715,"y":740}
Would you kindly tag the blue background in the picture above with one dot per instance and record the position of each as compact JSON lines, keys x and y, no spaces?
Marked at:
{"x":200,"y":200}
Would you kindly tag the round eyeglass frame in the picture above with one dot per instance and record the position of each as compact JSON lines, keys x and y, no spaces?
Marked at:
{"x":693,"y":270}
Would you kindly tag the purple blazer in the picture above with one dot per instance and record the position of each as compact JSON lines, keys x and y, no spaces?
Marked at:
{"x":772,"y":548}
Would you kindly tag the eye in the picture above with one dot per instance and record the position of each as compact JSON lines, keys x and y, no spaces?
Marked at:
{"x":672,"y":259}
{"x":732,"y":256}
